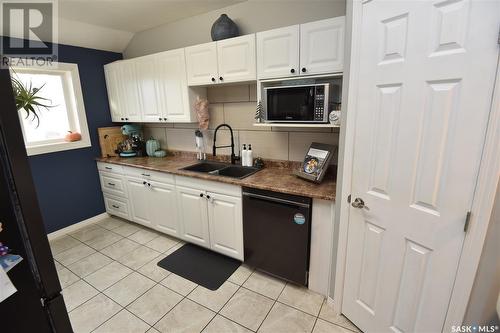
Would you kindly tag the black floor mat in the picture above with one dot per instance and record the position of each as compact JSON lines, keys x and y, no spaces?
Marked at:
{"x":201,"y":266}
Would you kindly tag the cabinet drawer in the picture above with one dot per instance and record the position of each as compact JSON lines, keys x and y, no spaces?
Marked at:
{"x":108,"y":167}
{"x":112,"y":184}
{"x":116,"y":206}
{"x":148,"y":174}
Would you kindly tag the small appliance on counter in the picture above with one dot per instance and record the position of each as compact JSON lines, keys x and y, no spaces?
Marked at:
{"x":134,"y":145}
{"x":316,"y":162}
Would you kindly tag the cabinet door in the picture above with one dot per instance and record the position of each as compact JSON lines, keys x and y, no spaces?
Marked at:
{"x":322,"y":46}
{"x":172,"y":85}
{"x":193,"y":216}
{"x":226,"y":225}
{"x":113,"y":88}
{"x":163,"y":208}
{"x":236,"y":59}
{"x":139,"y":196}
{"x":129,"y":96}
{"x":201,"y":62}
{"x":147,"y":78}
{"x":278,"y":52}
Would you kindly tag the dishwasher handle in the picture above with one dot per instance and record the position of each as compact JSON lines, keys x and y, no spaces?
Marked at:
{"x":274,"y":199}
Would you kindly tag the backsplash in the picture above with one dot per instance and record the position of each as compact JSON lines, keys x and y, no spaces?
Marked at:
{"x":235,"y":105}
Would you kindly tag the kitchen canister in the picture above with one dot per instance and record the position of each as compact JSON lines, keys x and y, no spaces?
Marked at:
{"x":224,"y":28}
{"x":160,"y":153}
{"x":152,"y":145}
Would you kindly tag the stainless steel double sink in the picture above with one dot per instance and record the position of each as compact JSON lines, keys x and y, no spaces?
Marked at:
{"x":222,"y":169}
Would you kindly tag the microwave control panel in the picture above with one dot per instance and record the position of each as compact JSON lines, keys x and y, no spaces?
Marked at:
{"x":319,"y":104}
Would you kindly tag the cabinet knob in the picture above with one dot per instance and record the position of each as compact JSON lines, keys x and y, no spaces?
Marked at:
{"x":144,"y":183}
{"x":126,"y":118}
{"x":304,"y":69}
{"x":159,"y":119}
{"x":213,"y":79}
{"x":220,"y":78}
{"x":201,"y":195}
{"x":122,"y":119}
{"x":208,"y":197}
{"x":292,"y":70}
{"x":165,"y":119}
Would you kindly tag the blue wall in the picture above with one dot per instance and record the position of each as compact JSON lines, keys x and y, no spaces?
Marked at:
{"x":67,"y":182}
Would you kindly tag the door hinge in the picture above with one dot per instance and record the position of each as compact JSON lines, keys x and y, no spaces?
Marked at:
{"x":349,"y":199}
{"x":467,"y":221}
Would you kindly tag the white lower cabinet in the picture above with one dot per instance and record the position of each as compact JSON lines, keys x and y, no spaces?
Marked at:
{"x":193,"y":215}
{"x":138,"y":193}
{"x":116,"y":206}
{"x":201,"y":212}
{"x":153,"y":204}
{"x":225,"y":224}
{"x":163,"y":208}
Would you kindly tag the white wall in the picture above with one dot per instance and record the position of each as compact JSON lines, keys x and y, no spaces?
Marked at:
{"x":250,"y":16}
{"x":482,"y":303}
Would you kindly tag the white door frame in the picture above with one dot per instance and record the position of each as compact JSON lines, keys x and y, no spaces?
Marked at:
{"x":482,"y":205}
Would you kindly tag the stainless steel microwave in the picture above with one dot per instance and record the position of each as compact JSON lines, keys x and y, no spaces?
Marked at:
{"x":300,"y":103}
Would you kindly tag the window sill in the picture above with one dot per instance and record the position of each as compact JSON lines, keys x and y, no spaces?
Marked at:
{"x":56,"y":147}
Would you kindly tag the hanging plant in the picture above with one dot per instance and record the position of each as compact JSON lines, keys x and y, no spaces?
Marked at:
{"x":27,"y":99}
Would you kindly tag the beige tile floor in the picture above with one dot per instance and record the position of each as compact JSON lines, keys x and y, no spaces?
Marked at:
{"x":111,"y":284}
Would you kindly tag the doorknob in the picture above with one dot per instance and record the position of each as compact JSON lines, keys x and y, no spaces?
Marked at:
{"x":358,"y":203}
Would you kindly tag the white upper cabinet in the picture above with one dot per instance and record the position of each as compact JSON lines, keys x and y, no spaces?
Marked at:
{"x":113,"y":87}
{"x":172,"y":86}
{"x":236,"y":59}
{"x":278,"y":52}
{"x":129,"y":96}
{"x":306,"y":49}
{"x":322,"y":46}
{"x":201,"y":63}
{"x":225,"y":61}
{"x":147,"y":80}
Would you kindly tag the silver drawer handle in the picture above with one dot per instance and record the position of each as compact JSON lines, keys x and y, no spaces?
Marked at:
{"x":115,"y":206}
{"x":108,"y":168}
{"x":111,"y":184}
{"x":146,"y":175}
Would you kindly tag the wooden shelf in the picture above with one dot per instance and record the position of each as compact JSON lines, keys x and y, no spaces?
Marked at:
{"x":295,"y":125}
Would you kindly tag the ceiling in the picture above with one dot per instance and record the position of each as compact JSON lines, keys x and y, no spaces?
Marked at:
{"x":136,"y":15}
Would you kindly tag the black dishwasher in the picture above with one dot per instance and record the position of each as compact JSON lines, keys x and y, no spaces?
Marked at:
{"x":276,"y":233}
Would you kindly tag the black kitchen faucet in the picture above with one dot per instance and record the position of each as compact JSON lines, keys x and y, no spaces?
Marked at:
{"x":234,"y":158}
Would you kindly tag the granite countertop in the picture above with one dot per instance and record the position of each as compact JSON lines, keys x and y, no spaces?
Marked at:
{"x":276,"y":177}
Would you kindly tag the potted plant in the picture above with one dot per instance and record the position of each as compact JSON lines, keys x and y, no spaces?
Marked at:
{"x":27,"y":99}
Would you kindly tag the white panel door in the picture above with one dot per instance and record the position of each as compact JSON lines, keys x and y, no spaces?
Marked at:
{"x":322,"y":46}
{"x":193,"y":216}
{"x":129,"y":95}
{"x":147,"y":77}
{"x":201,"y":62}
{"x":163,"y":208}
{"x":111,"y":72}
{"x":226,"y":224}
{"x":426,"y":78}
{"x":139,"y":196}
{"x":172,"y":86}
{"x":236,"y":59}
{"x":278,"y":52}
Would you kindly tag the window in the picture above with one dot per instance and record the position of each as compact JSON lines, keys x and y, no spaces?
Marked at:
{"x":60,"y":85}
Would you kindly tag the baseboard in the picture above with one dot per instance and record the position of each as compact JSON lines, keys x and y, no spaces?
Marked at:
{"x":76,"y":226}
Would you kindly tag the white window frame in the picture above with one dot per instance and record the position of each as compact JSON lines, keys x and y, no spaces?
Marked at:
{"x":74,"y":103}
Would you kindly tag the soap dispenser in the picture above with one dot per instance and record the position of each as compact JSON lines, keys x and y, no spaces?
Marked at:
{"x":244,"y":155}
{"x":249,"y":156}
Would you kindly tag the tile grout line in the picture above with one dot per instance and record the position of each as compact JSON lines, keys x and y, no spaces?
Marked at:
{"x":218,"y":312}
